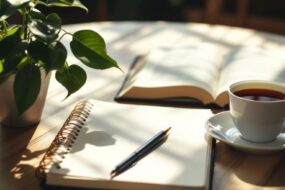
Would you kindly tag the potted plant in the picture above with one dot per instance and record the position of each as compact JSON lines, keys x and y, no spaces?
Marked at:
{"x":29,"y":51}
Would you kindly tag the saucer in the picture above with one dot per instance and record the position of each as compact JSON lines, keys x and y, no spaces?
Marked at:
{"x":222,"y":127}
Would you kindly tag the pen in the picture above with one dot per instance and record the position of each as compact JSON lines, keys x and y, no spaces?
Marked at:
{"x":140,"y":152}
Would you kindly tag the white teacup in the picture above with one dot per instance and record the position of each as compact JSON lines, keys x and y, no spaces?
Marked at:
{"x":260,"y":119}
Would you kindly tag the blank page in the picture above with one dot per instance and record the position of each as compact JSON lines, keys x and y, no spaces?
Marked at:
{"x":113,"y":131}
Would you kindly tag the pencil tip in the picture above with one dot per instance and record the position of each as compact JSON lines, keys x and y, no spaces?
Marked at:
{"x":113,"y":174}
{"x":167,"y":129}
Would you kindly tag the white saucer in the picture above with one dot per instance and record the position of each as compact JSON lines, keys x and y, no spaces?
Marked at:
{"x":221,"y":127}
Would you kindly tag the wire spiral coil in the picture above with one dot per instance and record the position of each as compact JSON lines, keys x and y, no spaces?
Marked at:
{"x":65,"y":138}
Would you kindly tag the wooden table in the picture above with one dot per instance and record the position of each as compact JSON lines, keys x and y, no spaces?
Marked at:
{"x":22,"y":149}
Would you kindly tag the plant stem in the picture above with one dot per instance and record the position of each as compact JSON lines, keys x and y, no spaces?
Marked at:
{"x":26,"y":18}
{"x":4,"y":26}
{"x":65,"y":33}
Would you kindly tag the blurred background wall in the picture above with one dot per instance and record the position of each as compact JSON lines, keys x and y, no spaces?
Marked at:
{"x":267,"y":15}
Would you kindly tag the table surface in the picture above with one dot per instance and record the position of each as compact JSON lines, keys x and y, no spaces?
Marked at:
{"x":22,"y":149}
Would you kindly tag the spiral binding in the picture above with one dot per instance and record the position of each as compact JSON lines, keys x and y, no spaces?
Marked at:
{"x":65,"y":138}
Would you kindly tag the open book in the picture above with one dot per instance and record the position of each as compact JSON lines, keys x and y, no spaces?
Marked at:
{"x":98,"y":135}
{"x":199,"y":73}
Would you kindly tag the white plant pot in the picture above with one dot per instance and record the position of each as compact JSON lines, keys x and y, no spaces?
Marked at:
{"x":8,"y":110}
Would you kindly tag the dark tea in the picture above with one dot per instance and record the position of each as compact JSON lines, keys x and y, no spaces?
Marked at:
{"x":260,"y":94}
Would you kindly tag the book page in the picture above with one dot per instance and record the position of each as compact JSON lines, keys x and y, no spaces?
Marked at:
{"x":252,"y":63}
{"x":198,"y":65}
{"x":113,"y":131}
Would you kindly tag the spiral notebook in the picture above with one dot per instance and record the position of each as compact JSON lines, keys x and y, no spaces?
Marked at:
{"x":98,"y":135}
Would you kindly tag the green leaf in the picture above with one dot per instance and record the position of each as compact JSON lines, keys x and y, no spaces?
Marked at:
{"x":9,"y":7}
{"x":65,"y":3}
{"x":46,"y":29}
{"x":89,"y":47}
{"x":27,"y":87}
{"x":14,"y":58}
{"x":12,"y":50}
{"x":72,"y":78}
{"x":1,"y":66}
{"x":36,"y":14}
{"x":3,"y":76}
{"x":9,"y":41}
{"x":52,"y":57}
